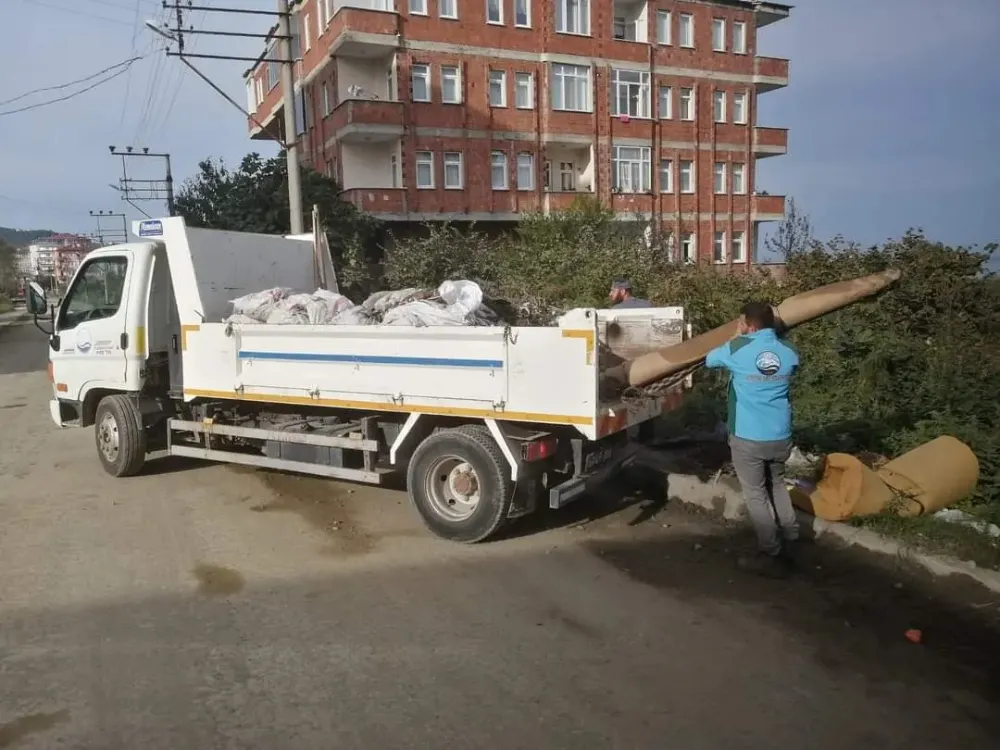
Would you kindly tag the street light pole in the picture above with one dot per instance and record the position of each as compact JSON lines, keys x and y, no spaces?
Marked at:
{"x":291,"y":136}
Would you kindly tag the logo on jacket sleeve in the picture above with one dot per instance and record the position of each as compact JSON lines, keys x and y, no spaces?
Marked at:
{"x":767,"y":363}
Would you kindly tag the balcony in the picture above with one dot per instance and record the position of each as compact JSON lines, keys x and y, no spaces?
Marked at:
{"x":765,"y":207}
{"x":770,"y":142}
{"x":364,"y":28}
{"x":367,"y":121}
{"x":770,"y":73}
{"x":377,"y":200}
{"x":629,"y":21}
{"x":768,"y":13}
{"x":562,"y":200}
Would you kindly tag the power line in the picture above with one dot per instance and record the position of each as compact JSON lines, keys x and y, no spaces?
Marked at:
{"x":71,"y":83}
{"x":67,"y":97}
{"x":85,"y":14}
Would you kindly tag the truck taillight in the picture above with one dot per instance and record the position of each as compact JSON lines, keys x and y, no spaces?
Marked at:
{"x":536,"y":450}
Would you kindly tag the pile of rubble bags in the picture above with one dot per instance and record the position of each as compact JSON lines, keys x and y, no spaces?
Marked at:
{"x":454,"y":303}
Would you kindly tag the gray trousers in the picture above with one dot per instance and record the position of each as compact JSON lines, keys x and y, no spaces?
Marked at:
{"x":760,"y":467}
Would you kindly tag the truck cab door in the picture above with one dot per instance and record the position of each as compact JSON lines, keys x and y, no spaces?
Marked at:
{"x":90,"y":341}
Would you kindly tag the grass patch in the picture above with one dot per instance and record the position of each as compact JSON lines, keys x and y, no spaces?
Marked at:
{"x":934,"y":536}
{"x":5,"y":304}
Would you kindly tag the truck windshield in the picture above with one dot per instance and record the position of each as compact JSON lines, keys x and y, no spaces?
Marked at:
{"x":96,"y":292}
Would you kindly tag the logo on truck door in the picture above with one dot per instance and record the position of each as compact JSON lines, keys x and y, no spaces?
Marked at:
{"x":83,"y":340}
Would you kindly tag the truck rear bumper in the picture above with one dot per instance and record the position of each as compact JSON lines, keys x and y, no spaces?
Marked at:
{"x":576,"y":487}
{"x":55,"y":412}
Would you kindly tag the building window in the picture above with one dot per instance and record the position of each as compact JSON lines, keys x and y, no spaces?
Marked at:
{"x":573,"y":16}
{"x":719,"y":248}
{"x":251,"y":99}
{"x":273,"y":68}
{"x":420,"y":82}
{"x":390,"y":82}
{"x":666,"y":175}
{"x":739,"y":247}
{"x":631,"y":93}
{"x":418,"y":7}
{"x":448,"y":8}
{"x":451,"y":84}
{"x":739,"y":179}
{"x":687,"y":104}
{"x":494,"y":11}
{"x":567,"y":176}
{"x":571,"y":88}
{"x":306,"y":27}
{"x":687,"y":30}
{"x":522,"y":13}
{"x":719,"y":178}
{"x":740,"y":38}
{"x":453,"y":170}
{"x":498,"y":170}
{"x":687,"y":177}
{"x":393,"y":170}
{"x":259,"y":86}
{"x":719,"y":34}
{"x":740,"y":108}
{"x":688,"y":248}
{"x":630,"y":169}
{"x":498,"y":88}
{"x":666,"y":103}
{"x":719,"y":106}
{"x":425,"y":170}
{"x":524,"y":90}
{"x":525,"y":171}
{"x":327,"y":104}
{"x":663,"y":19}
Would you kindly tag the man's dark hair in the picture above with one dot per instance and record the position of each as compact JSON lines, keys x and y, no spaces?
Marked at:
{"x":759,"y":315}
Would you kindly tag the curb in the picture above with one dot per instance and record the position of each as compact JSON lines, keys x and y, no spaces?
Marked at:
{"x":722,"y":496}
{"x":18,"y":318}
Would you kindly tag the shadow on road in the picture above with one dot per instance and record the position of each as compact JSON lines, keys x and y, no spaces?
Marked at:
{"x":23,"y":349}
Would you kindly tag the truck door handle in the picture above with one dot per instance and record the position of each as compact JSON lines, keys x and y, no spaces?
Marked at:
{"x":123,"y":341}
{"x":173,"y":343}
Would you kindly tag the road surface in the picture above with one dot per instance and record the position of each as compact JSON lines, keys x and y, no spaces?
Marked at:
{"x":206,"y":607}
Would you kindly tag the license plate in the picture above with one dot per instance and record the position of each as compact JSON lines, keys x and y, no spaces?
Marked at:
{"x":596,"y":458}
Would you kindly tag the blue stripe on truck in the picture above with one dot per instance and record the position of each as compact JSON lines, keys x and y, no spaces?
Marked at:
{"x":364,"y":359}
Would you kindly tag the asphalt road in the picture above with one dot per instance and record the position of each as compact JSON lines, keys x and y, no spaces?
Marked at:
{"x":205,"y":607}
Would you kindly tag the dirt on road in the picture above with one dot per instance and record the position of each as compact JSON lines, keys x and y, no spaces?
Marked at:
{"x":205,"y":606}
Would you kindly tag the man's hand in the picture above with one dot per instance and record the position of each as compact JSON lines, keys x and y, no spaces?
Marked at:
{"x":741,"y":327}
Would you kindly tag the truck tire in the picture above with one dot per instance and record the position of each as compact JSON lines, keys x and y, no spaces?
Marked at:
{"x":120,"y":438}
{"x":460,"y":484}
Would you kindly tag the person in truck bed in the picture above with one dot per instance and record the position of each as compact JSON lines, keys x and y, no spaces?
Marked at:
{"x":761,"y":366}
{"x":620,"y":296}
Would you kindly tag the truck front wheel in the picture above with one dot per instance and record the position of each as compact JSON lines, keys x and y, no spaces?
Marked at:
{"x":121,"y":440}
{"x":460,"y":484}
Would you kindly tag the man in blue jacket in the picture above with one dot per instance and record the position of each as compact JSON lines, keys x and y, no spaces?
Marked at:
{"x":761,"y":366}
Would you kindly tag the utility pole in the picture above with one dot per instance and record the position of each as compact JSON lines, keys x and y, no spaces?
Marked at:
{"x":101,"y":232}
{"x":153,"y":189}
{"x":291,"y":136}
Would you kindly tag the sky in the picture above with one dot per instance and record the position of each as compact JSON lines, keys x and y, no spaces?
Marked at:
{"x":892,"y":108}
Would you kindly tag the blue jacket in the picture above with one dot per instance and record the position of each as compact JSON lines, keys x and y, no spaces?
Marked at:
{"x":761,"y":366}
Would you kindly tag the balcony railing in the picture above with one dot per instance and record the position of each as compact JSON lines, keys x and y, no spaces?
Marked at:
{"x":762,"y":204}
{"x":376,"y":200}
{"x":771,"y":67}
{"x":770,"y":141}
{"x":366,"y":112}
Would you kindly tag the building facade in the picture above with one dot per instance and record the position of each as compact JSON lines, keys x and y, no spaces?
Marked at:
{"x":56,"y":258}
{"x":482,"y":110}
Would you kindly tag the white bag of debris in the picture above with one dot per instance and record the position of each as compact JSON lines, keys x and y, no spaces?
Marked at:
{"x":258,"y":305}
{"x":280,"y":307}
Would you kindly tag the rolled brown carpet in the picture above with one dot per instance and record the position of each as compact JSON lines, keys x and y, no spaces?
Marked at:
{"x":800,"y":308}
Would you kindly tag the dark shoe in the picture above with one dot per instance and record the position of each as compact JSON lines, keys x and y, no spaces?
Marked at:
{"x":769,"y":566}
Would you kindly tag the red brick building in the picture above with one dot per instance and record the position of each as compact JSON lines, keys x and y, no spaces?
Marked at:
{"x":481,"y":110}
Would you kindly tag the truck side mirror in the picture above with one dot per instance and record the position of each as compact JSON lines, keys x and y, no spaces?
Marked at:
{"x":36,"y":302}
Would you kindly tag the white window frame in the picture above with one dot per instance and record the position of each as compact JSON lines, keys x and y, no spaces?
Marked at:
{"x":567,"y":176}
{"x":327,"y":108}
{"x":563,"y":25}
{"x":739,"y":171}
{"x":394,"y":175}
{"x":719,"y":101}
{"x":259,"y":87}
{"x":719,"y":178}
{"x":519,"y":79}
{"x":529,"y":166}
{"x":688,"y":108}
{"x":665,"y":94}
{"x":451,"y":71}
{"x":306,"y":31}
{"x":629,"y":163}
{"x":666,"y":175}
{"x":718,"y":34}
{"x":565,"y":76}
{"x":491,"y":73}
{"x":637,"y":92}
{"x":453,"y":15}
{"x":498,"y":159}
{"x":664,"y":27}
{"x":686,"y":40}
{"x":686,"y":171}
{"x":423,"y":72}
{"x":498,"y":21}
{"x":689,"y":254}
{"x":251,"y":95}
{"x":719,"y":249}
{"x":423,"y":159}
{"x":526,"y":5}
{"x":453,"y":159}
{"x":739,"y":37}
{"x":320,"y":18}
{"x":417,"y":7}
{"x":741,"y":100}
{"x":738,"y":246}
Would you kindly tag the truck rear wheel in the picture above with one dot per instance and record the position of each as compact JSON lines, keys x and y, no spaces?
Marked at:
{"x":121,"y":440}
{"x":460,"y":484}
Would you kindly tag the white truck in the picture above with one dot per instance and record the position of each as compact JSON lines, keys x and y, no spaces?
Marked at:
{"x":483,"y":420}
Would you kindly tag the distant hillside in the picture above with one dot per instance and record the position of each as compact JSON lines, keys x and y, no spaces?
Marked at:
{"x":21,"y":237}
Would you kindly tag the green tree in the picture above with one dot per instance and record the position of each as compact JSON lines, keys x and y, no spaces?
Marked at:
{"x":8,"y":268}
{"x":794,"y":233}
